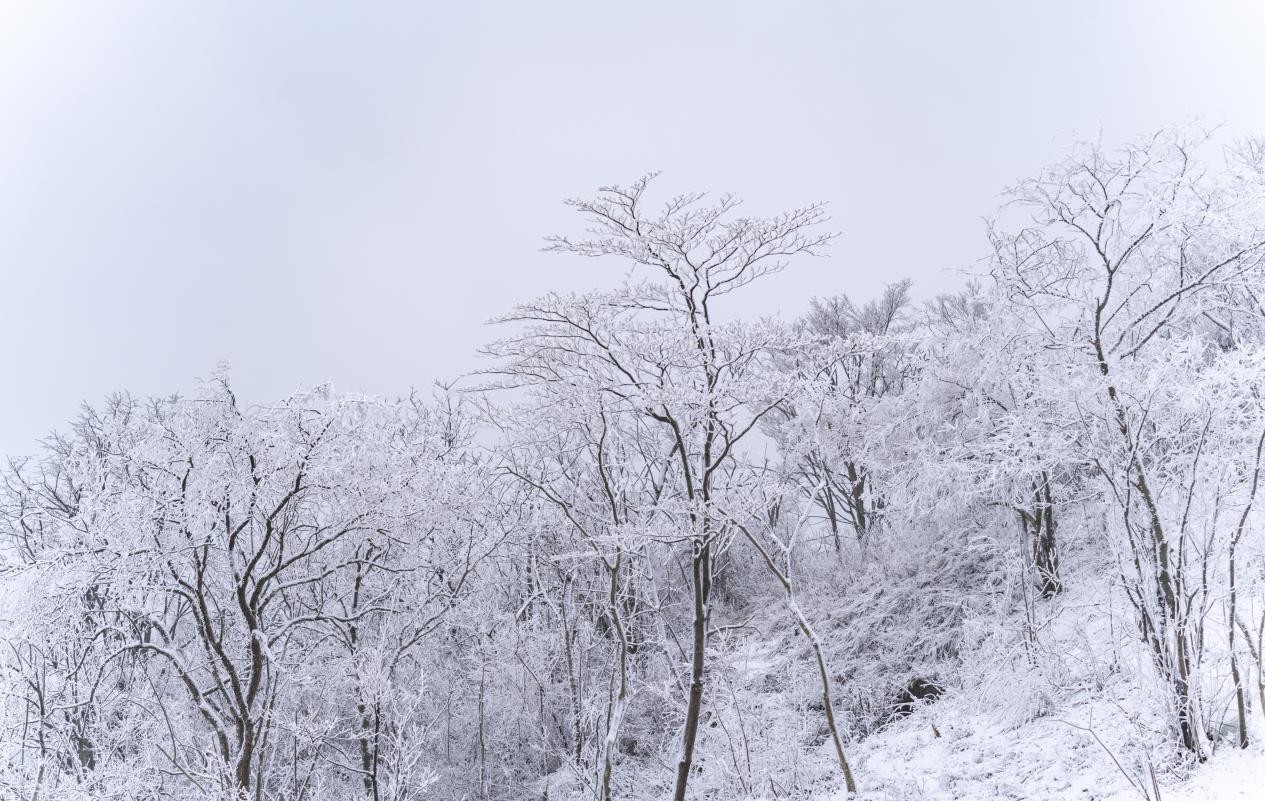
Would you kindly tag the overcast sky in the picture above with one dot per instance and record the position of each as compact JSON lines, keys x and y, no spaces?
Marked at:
{"x":345,"y":192}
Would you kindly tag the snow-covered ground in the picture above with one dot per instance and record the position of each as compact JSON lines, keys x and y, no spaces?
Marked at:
{"x":1071,"y":716}
{"x":977,"y":759}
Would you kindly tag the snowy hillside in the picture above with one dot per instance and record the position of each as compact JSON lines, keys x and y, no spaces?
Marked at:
{"x":1002,"y":543}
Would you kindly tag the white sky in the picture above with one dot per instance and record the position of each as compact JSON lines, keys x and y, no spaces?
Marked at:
{"x":345,"y":192}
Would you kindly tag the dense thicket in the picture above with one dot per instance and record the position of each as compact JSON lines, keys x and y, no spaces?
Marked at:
{"x":654,"y":551}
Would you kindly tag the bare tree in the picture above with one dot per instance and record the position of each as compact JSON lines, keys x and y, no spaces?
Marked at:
{"x":774,"y":534}
{"x":868,"y":360}
{"x":655,"y":350}
{"x":219,"y":560}
{"x":1126,"y":249}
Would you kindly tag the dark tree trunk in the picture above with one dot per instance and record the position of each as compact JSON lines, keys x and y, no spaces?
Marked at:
{"x":1045,"y":556}
{"x":702,"y":590}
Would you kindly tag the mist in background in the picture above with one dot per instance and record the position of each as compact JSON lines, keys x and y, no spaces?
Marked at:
{"x":331,"y":192}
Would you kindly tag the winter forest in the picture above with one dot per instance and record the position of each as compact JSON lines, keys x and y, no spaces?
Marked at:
{"x":1005,"y":542}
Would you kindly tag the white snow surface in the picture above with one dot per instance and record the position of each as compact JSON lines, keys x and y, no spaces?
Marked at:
{"x":1077,"y":720}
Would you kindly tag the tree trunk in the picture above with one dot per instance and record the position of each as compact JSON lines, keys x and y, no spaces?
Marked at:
{"x":1045,"y":557}
{"x":826,"y":700}
{"x":702,"y":587}
{"x":615,"y":710}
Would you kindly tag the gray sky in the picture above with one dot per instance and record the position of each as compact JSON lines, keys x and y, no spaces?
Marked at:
{"x":345,"y":192}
